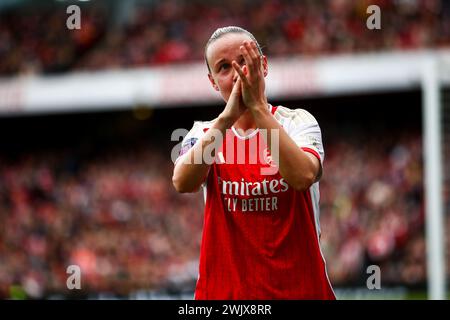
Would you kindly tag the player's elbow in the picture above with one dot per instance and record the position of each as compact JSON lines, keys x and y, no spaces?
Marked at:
{"x":181,"y":186}
{"x":302,"y":182}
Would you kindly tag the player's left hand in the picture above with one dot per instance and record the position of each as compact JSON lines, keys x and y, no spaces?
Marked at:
{"x":252,"y":76}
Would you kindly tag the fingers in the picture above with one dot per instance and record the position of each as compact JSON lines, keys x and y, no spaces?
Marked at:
{"x":253,"y":51}
{"x":240,"y":72}
{"x":247,"y":57}
{"x":236,"y":91}
{"x":237,"y":86}
{"x":252,"y":57}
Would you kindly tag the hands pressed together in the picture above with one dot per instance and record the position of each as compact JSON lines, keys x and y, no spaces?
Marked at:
{"x":249,"y":89}
{"x":251,"y":76}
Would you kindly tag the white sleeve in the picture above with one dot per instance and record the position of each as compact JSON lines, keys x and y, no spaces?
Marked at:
{"x":305,"y":131}
{"x":194,"y":135}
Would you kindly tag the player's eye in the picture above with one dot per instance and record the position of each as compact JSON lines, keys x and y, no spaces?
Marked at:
{"x":224,"y":66}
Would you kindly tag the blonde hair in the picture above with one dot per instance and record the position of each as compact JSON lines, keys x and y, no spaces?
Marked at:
{"x":225,"y":30}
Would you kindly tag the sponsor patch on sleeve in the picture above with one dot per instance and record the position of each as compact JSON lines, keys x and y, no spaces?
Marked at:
{"x":188,"y":144}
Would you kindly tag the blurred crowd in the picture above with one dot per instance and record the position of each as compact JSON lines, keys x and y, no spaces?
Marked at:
{"x":36,"y":40}
{"x":372,"y":210}
{"x":117,"y":216}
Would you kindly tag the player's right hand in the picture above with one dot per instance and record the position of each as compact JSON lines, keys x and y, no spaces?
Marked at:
{"x":235,"y":106}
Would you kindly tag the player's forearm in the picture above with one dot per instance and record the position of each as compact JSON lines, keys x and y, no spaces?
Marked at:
{"x":294,"y":164}
{"x":189,"y":177}
{"x":191,"y":170}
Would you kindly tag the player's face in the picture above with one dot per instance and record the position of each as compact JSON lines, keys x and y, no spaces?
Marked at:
{"x":220,"y":54}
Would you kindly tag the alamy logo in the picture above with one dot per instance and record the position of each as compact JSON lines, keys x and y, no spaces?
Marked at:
{"x":74,"y":20}
{"x":374,"y":281}
{"x":74,"y":280}
{"x":210,"y":152}
{"x":374,"y":20}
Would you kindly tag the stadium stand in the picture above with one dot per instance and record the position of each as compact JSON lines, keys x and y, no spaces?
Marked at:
{"x":33,"y":39}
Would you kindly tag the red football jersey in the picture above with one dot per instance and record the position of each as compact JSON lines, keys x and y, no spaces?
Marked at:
{"x":260,"y":236}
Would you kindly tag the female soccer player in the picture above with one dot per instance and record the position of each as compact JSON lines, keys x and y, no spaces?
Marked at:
{"x":261,"y":226}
